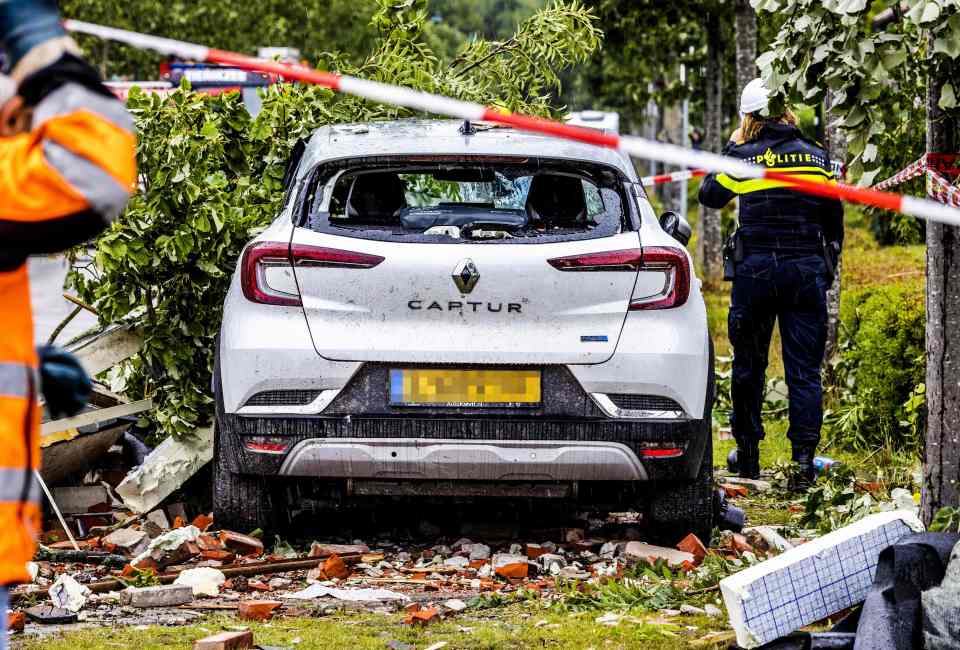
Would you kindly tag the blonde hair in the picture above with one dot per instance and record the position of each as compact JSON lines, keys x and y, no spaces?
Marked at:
{"x":751,"y":124}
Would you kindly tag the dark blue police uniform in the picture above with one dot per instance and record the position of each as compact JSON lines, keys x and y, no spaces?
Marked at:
{"x":782,"y":273}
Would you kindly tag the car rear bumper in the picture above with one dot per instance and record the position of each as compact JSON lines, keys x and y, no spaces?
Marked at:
{"x":461,"y":460}
{"x":464,"y":448}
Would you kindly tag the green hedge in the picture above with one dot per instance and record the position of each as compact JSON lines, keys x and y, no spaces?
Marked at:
{"x":879,"y":400}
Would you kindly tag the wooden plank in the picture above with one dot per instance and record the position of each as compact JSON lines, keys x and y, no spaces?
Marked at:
{"x":98,"y":415}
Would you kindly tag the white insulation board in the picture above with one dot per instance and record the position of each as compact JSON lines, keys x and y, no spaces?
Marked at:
{"x":811,"y":581}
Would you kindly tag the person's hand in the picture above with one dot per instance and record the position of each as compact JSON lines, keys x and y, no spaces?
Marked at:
{"x":736,"y":136}
{"x":15,"y":117}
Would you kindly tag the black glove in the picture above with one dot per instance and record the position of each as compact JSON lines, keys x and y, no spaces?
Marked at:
{"x":65,"y":384}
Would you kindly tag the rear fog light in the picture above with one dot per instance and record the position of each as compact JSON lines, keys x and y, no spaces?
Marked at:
{"x":266,"y":444}
{"x":662,"y":452}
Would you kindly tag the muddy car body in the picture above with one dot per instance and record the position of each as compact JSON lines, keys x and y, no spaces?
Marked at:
{"x":457,"y":310}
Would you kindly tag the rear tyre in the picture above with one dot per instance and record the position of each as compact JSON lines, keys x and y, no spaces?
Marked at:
{"x":676,"y":509}
{"x":240,"y":503}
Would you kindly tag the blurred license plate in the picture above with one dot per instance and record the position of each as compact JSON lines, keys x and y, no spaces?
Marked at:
{"x":448,"y":387}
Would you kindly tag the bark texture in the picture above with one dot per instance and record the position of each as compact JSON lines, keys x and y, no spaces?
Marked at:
{"x":941,"y":468}
{"x":710,"y":243}
{"x":746,"y":37}
{"x":837,"y":147}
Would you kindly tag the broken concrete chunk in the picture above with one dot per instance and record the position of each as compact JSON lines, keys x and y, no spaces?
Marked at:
{"x":225,"y":641}
{"x":356,"y":595}
{"x":129,"y":541}
{"x":80,"y":498}
{"x":640,"y":552}
{"x":690,"y":610}
{"x":159,"y":517}
{"x":166,"y":469}
{"x":712,"y":610}
{"x":159,"y":596}
{"x":15,"y":622}
{"x":812,"y":581}
{"x":455,"y":604}
{"x":755,"y":484}
{"x":165,"y":550}
{"x":322,"y":550}
{"x":205,"y":581}
{"x":479,"y":552}
{"x":768,"y":537}
{"x":240,"y":544}
{"x":457,"y":561}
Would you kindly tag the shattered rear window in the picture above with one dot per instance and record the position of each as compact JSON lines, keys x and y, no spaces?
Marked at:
{"x":442,"y":200}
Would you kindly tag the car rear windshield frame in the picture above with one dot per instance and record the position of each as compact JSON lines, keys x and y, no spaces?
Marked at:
{"x":309,"y":199}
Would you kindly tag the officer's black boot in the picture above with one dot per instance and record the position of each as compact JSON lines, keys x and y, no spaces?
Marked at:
{"x":806,"y":474}
{"x":748,"y":460}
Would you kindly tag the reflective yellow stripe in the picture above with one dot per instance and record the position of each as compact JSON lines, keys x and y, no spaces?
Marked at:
{"x":760,"y":184}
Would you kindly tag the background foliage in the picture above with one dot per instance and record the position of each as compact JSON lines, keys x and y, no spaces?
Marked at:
{"x":211,"y":178}
{"x":881,"y":370}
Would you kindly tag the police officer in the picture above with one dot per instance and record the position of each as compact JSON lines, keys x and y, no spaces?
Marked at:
{"x":782,"y":259}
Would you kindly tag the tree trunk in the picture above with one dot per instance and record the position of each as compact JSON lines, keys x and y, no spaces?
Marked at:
{"x":746,"y":36}
{"x":941,"y":468}
{"x":836,"y":141}
{"x":710,"y":239}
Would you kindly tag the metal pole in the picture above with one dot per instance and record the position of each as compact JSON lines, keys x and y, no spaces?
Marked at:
{"x":56,"y":509}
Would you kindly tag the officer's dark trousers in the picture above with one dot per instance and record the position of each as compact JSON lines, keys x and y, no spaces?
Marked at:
{"x":789,"y":288}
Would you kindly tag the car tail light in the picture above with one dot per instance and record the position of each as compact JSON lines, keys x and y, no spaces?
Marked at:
{"x":266,"y":444}
{"x":672,"y":262}
{"x":663,"y":452}
{"x":675,"y":266}
{"x":257,"y":258}
{"x":625,"y":260}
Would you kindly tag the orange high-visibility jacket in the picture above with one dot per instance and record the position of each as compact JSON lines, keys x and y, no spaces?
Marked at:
{"x":60,"y":184}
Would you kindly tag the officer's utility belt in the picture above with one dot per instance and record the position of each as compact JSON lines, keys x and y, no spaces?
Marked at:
{"x":804,"y":240}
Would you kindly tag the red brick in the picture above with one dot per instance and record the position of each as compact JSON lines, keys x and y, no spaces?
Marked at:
{"x":257,"y":610}
{"x":514,"y":570}
{"x":225,"y":641}
{"x":421,"y":617}
{"x":203,"y":521}
{"x":241,"y":544}
{"x":692,"y":545}
{"x":15,"y":621}
{"x":334,"y":567}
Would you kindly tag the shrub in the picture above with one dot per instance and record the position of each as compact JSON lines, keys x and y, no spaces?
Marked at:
{"x":881,"y":369}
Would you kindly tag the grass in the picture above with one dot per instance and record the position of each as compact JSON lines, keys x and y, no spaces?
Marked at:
{"x":514,"y":627}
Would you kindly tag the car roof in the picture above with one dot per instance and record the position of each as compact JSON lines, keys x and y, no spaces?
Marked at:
{"x":443,"y":137}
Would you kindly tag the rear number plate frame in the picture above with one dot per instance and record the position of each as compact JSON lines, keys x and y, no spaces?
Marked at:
{"x":465,"y":388}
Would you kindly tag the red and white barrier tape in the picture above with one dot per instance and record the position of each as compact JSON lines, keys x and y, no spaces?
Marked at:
{"x":911,"y":171}
{"x":682,"y":175}
{"x":440,"y":105}
{"x":942,"y":190}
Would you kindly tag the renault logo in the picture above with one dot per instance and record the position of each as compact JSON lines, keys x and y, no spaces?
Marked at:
{"x":465,"y":276}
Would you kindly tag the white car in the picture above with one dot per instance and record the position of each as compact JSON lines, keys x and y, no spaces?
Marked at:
{"x":460,"y":310}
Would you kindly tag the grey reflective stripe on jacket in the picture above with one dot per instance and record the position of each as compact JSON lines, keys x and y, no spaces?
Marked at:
{"x":101,"y":190}
{"x":72,"y":97}
{"x":104,"y":194}
{"x":15,"y":379}
{"x":12,"y":482}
